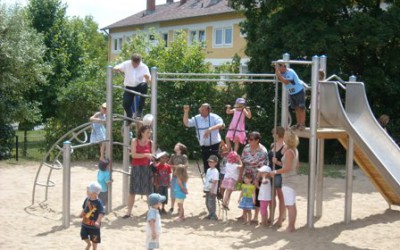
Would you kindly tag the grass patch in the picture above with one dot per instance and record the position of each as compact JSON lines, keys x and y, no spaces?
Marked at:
{"x":333,"y":171}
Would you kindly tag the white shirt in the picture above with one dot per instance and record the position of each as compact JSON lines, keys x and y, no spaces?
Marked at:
{"x":265,"y":191}
{"x":202,"y":124}
{"x":211,"y":175}
{"x":133,"y":76}
{"x":232,"y":171}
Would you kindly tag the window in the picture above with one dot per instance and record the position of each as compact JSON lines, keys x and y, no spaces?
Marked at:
{"x":223,"y":37}
{"x":117,"y":44}
{"x":165,"y":38}
{"x":197,"y":35}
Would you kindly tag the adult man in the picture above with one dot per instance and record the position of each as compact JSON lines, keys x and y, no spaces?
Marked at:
{"x":207,"y":126}
{"x":295,"y":88}
{"x":137,"y":77}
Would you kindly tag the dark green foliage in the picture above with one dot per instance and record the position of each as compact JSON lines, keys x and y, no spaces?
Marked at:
{"x":7,"y":135}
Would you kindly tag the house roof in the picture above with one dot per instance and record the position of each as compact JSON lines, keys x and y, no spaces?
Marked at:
{"x":174,"y":11}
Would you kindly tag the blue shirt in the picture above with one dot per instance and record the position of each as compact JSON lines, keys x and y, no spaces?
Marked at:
{"x":295,"y":85}
{"x":102,"y":178}
{"x":202,"y":124}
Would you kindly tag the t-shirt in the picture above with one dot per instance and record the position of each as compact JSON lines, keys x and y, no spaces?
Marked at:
{"x":153,"y":214}
{"x":232,"y":171}
{"x":133,"y":76}
{"x":295,"y":85}
{"x":91,"y":211}
{"x":265,"y":191}
{"x":163,"y":174}
{"x":103,"y":177}
{"x":211,"y":175}
{"x":248,"y":190}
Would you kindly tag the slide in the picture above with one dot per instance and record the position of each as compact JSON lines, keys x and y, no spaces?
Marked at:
{"x":375,"y":151}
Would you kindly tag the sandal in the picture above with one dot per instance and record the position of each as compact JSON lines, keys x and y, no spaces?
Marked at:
{"x":126,"y":216}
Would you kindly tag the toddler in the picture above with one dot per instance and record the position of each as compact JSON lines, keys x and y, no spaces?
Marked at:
{"x":163,"y":176}
{"x":233,"y":166}
{"x":237,"y":131}
{"x":179,"y":158}
{"x":264,"y":196}
{"x":247,"y":198}
{"x":181,"y":189}
{"x":153,"y":226}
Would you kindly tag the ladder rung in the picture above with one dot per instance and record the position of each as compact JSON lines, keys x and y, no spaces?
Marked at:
{"x":51,"y":184}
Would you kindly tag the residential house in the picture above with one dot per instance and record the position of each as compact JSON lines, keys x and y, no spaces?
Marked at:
{"x":211,"y":22}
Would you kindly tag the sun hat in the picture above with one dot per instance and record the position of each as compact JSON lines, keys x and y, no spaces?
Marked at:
{"x":94,"y":187}
{"x":240,"y":101}
{"x":264,"y":169}
{"x":155,"y":198}
{"x":213,"y":158}
{"x":104,"y":105}
{"x":232,"y":157}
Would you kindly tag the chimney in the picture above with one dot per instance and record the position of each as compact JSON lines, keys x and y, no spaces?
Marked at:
{"x":183,"y":1}
{"x":151,"y":6}
{"x":170,"y":1}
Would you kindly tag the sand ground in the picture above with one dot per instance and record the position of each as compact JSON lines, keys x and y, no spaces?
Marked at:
{"x":39,"y":226}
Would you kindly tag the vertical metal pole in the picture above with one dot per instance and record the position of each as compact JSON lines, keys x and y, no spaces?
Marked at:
{"x":349,"y":181}
{"x":25,"y":145}
{"x":109,"y":137}
{"x":285,"y":98}
{"x":154,"y":104}
{"x":125,"y":164}
{"x":16,"y":148}
{"x":352,"y":78}
{"x":320,"y":177}
{"x":313,"y":142}
{"x":322,"y":63}
{"x":66,"y":201}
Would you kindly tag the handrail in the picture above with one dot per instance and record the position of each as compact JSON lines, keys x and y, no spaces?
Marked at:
{"x":216,"y":74}
{"x":293,"y":62}
{"x":213,"y":80}
{"x":338,"y":83}
{"x":130,"y":91}
{"x":336,"y":77}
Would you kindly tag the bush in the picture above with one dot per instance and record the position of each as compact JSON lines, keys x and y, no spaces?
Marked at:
{"x":7,"y":135}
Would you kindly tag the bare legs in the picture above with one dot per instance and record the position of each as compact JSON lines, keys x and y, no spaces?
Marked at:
{"x":235,"y":141}
{"x":300,"y":116}
{"x":102,"y":150}
{"x":227,"y":198}
{"x":281,"y":218}
{"x":131,"y":202}
{"x":292,"y":214}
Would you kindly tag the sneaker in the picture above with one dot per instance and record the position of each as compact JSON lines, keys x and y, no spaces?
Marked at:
{"x":207,"y":217}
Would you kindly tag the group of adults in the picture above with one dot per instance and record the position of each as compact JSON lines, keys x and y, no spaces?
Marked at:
{"x":283,"y":156}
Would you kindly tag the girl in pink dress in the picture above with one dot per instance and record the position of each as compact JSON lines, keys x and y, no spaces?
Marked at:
{"x":237,"y":131}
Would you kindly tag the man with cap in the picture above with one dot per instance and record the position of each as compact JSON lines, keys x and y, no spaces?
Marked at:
{"x":153,"y":225}
{"x":207,"y":125}
{"x":295,"y":88}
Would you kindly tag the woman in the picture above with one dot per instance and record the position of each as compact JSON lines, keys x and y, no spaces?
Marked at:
{"x":290,"y":164}
{"x":275,"y":156}
{"x":254,"y":156}
{"x":141,"y":173}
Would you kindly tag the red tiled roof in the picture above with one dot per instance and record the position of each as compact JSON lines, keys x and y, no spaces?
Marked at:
{"x":174,"y":11}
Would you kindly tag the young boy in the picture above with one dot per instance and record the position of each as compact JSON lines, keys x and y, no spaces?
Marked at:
{"x":153,"y":226}
{"x":103,"y":178}
{"x":211,"y":186}
{"x":163,"y":176}
{"x":92,"y":214}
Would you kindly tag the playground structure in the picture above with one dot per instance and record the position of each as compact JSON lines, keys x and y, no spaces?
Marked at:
{"x":354,"y":126}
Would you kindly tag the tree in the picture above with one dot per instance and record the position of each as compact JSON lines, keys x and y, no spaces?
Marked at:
{"x":22,"y":71}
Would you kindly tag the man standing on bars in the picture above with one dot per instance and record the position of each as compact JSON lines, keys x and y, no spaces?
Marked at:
{"x":207,"y":127}
{"x":136,"y":78}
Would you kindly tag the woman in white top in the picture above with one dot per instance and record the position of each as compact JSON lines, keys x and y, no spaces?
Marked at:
{"x":290,"y":163}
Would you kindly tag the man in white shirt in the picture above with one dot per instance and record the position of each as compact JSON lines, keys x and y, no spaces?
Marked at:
{"x":207,"y":126}
{"x":136,"y":78}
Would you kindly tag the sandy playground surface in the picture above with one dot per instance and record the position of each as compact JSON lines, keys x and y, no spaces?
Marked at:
{"x":39,"y":226}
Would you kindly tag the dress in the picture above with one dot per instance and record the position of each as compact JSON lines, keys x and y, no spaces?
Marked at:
{"x":231,"y":176}
{"x":237,"y":127}
{"x":153,"y":214}
{"x":179,"y":194}
{"x":246,"y":203}
{"x":98,"y":129}
{"x":174,"y":161}
{"x":141,"y":181}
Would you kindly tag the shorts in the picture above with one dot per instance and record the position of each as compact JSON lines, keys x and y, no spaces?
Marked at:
{"x":229,"y":184}
{"x":90,"y":233}
{"x":179,"y":201}
{"x":277,"y":181}
{"x":103,"y":196}
{"x":163,"y":190}
{"x":289,"y":196}
{"x":298,"y":100}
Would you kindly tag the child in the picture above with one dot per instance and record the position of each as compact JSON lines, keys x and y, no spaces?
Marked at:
{"x":99,"y":129}
{"x":92,"y":214}
{"x":179,"y":158}
{"x":237,"y":132}
{"x":163,"y":176}
{"x":247,"y":198}
{"x":180,"y":189}
{"x":233,"y":166}
{"x":264,"y":196}
{"x":153,"y":226}
{"x":103,"y":178}
{"x":223,"y":152}
{"x":211,"y":187}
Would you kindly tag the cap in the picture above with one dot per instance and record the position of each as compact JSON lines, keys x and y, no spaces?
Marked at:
{"x":213,"y":158}
{"x":264,"y":169}
{"x":104,"y":105}
{"x":155,"y":198}
{"x":240,"y":101}
{"x":103,"y":164}
{"x":94,"y":187}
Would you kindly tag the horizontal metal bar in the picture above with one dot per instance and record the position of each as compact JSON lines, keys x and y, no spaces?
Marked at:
{"x":121,"y":144}
{"x":127,"y":118}
{"x":120,"y":171}
{"x":87,"y":144}
{"x":212,"y":80}
{"x":336,"y":77}
{"x":216,"y":74}
{"x":130,"y":91}
{"x":294,"y":62}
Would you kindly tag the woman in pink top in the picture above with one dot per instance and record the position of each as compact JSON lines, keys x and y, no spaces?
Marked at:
{"x":141,"y":174}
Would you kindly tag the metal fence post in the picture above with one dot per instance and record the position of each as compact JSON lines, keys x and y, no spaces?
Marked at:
{"x":154,"y":104}
{"x":109,"y":137}
{"x":16,"y":148}
{"x":66,"y":201}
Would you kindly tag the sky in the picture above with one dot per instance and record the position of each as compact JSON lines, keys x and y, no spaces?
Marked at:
{"x":104,"y":12}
